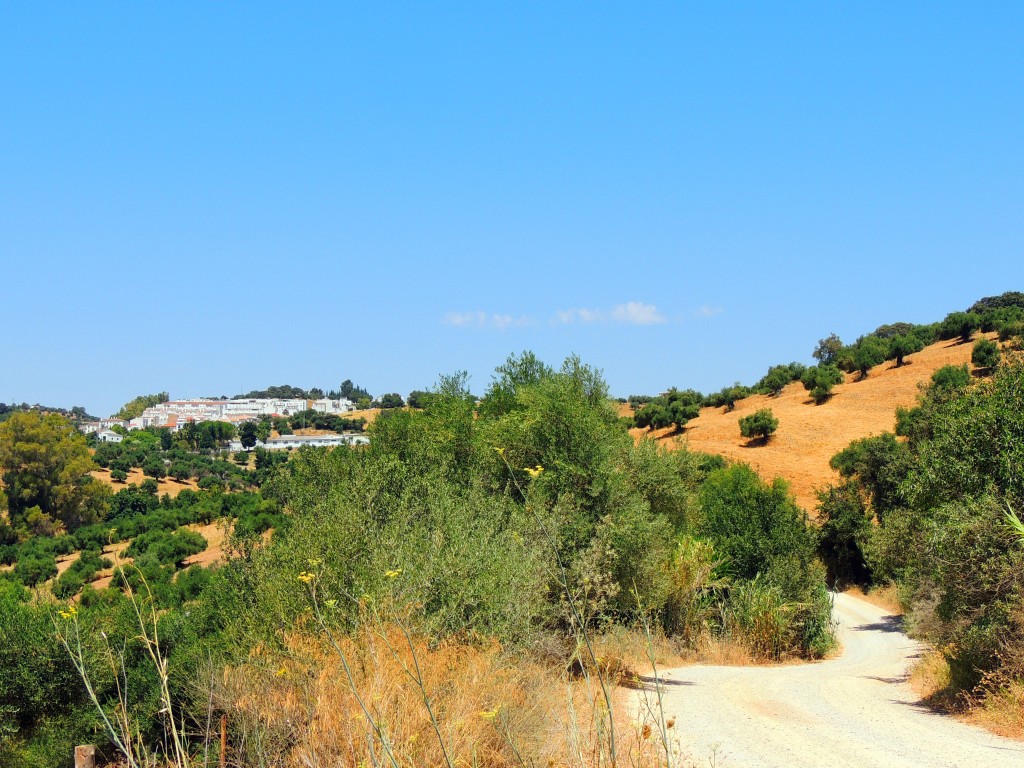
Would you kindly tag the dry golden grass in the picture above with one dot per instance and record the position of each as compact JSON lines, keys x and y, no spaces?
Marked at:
{"x":885,"y":597}
{"x":809,"y":435}
{"x":930,"y":678}
{"x":492,"y":708}
{"x":1002,"y":712}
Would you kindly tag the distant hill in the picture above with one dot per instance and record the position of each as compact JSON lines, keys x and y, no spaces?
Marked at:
{"x":809,"y":435}
{"x":77,"y":413}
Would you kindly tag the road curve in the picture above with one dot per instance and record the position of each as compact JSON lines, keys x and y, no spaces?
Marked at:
{"x":855,"y":710}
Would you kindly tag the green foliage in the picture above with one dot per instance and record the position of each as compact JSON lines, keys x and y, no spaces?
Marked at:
{"x":936,"y":520}
{"x":136,"y":406}
{"x":390,"y":400}
{"x":675,"y":407}
{"x":903,"y":345}
{"x":318,"y":420}
{"x":844,"y":536}
{"x":960,"y":324}
{"x":951,"y":377}
{"x":45,"y":463}
{"x":755,"y":526}
{"x":760,"y":425}
{"x":167,"y":548}
{"x":819,"y":381}
{"x":827,"y":350}
{"x":727,"y":396}
{"x":38,"y":685}
{"x":1010,"y":299}
{"x":878,"y":466}
{"x":868,"y":352}
{"x":985,"y":354}
{"x":247,"y":434}
{"x":350,"y":391}
{"x":778,"y":376}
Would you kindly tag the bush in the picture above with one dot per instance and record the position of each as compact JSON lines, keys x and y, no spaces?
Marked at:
{"x":819,"y":381}
{"x":760,"y":425}
{"x":985,"y":354}
{"x":951,"y":377}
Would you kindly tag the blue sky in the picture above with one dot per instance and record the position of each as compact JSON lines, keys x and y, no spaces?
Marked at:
{"x":210,"y":199}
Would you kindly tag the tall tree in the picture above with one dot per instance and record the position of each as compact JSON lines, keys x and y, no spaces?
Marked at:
{"x":828,"y":349}
{"x":46,"y":464}
{"x":247,"y":434}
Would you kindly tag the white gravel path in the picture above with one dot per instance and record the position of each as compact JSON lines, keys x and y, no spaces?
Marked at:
{"x":856,"y":710}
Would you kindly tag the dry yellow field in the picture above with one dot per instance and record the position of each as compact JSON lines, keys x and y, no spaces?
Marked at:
{"x":809,"y":435}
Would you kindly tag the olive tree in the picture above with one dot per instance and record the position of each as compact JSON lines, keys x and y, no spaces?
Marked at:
{"x":760,"y":425}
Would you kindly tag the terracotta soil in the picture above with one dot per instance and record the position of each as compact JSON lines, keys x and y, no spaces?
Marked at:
{"x":808,"y":434}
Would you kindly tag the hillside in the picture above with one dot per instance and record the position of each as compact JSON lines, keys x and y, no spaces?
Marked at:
{"x":809,"y":435}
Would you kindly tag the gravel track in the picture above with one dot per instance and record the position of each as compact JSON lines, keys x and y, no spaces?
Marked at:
{"x":856,"y":710}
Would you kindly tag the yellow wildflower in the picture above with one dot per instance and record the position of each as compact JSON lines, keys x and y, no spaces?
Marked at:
{"x":490,"y":715}
{"x":281,"y":672}
{"x":330,"y":603}
{"x":393,"y":574}
{"x":535,"y":472}
{"x":306,"y":577}
{"x":501,"y":451}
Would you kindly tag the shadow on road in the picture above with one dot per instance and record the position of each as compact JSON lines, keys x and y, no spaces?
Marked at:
{"x":891,"y":623}
{"x":648,"y":683}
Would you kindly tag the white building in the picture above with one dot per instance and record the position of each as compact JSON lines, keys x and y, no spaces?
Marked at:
{"x":109,"y":436}
{"x":326,"y":405}
{"x":285,"y":442}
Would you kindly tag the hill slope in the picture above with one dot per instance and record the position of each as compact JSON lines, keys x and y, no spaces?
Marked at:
{"x":809,"y":435}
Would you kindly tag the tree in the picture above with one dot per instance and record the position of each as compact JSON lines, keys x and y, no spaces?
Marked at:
{"x":778,"y":376}
{"x":828,"y":350}
{"x":45,"y":463}
{"x":962,"y":324}
{"x":868,"y":352}
{"x":951,"y":377}
{"x":263,"y":429}
{"x":674,"y":407}
{"x":418,"y":399}
{"x":136,"y":406}
{"x":351,"y":392}
{"x":390,"y":400}
{"x":903,"y":345}
{"x":247,"y":434}
{"x":760,"y":425}
{"x":985,"y":354}
{"x":819,"y":381}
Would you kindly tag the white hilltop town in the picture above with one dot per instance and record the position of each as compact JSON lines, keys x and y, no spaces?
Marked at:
{"x":175,"y":414}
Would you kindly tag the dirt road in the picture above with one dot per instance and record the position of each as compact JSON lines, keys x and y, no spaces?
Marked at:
{"x":855,"y":710}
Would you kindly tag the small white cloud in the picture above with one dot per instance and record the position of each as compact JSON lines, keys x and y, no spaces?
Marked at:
{"x":483,"y":320}
{"x":507,"y":321}
{"x":568,"y":316}
{"x":637,"y":313}
{"x":708,"y":311}
{"x":465,"y":319}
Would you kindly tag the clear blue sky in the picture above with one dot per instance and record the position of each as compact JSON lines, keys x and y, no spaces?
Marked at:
{"x":210,"y":198}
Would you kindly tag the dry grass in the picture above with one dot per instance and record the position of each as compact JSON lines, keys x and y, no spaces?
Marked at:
{"x":930,"y":678}
{"x":136,"y":476}
{"x":1002,"y":712}
{"x":809,"y":435}
{"x":885,"y":597}
{"x":493,"y":708}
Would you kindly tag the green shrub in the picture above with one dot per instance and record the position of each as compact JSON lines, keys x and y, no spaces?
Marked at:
{"x":985,"y":354}
{"x":819,"y":381}
{"x":760,"y":425}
